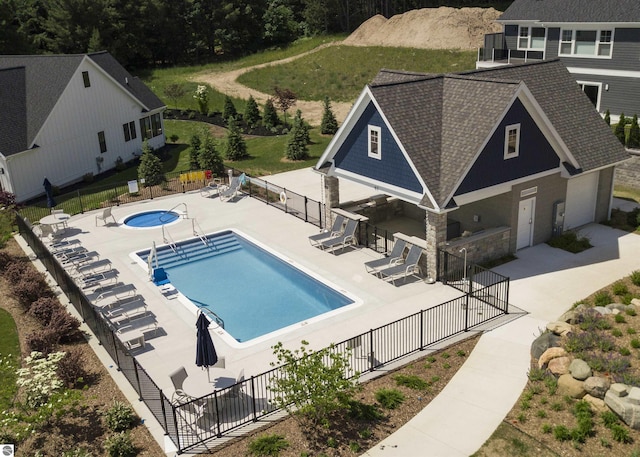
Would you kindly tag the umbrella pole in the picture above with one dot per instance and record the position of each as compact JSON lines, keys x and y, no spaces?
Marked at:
{"x":208,"y":375}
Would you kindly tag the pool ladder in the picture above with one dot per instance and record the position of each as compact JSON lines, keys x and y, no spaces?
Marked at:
{"x":199,"y":232}
{"x":213,"y":316}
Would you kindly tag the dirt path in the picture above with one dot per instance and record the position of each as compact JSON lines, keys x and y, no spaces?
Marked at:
{"x":311,"y":111}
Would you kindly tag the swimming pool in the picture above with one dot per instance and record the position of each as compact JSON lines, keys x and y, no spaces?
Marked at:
{"x":153,"y":218}
{"x":251,"y":288}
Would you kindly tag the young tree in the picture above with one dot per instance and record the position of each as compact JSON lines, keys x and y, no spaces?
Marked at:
{"x":251,"y":112}
{"x":150,"y":168}
{"x":269,"y":115}
{"x":634,"y":134}
{"x":209,"y":158}
{"x":229,"y":112}
{"x":195,"y":142}
{"x":284,"y":99}
{"x":202,"y":97}
{"x":296,"y":147}
{"x":236,"y":148}
{"x":174,"y":92}
{"x":328,"y":125}
{"x":607,"y":117}
{"x":619,"y":130}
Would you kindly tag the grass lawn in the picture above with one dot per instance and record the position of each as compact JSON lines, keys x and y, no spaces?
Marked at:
{"x":9,"y":359}
{"x":627,"y":193}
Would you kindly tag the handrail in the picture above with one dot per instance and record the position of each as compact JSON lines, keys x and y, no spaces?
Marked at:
{"x":185,"y":214}
{"x":168,"y":239}
{"x":213,"y":316}
{"x":199,"y":234}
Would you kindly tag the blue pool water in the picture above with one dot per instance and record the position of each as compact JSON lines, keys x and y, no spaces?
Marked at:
{"x":252,"y":290}
{"x":151,"y":218}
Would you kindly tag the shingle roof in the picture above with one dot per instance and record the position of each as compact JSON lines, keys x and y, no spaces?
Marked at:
{"x":43,"y":78}
{"x":573,"y":11}
{"x":443,"y":120}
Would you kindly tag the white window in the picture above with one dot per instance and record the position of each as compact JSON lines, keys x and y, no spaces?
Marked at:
{"x":511,"y":141}
{"x":375,"y":148}
{"x":531,"y":38}
{"x":586,"y":43}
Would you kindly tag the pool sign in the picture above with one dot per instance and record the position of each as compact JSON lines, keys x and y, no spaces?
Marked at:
{"x":133,"y":186}
{"x":7,"y":450}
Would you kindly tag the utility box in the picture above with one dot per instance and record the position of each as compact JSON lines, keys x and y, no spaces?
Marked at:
{"x":558,"y":218}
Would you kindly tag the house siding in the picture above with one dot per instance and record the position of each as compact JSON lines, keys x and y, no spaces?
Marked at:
{"x":603,"y":199}
{"x":622,"y":95}
{"x":392,"y":169}
{"x":535,"y":155}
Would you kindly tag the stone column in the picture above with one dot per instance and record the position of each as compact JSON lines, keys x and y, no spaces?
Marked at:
{"x":330,"y":196}
{"x":436,"y":230}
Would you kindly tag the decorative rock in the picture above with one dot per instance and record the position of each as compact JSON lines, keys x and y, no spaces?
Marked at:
{"x":632,"y":308}
{"x":635,"y":301}
{"x":568,"y":317}
{"x":550,"y":354}
{"x":559,"y":328}
{"x":568,"y":385}
{"x":618,"y":306}
{"x":544,"y":342}
{"x":597,"y":404}
{"x":602,"y":310}
{"x":596,"y":386}
{"x":618,"y":401}
{"x":580,"y":369}
{"x":560,"y":366}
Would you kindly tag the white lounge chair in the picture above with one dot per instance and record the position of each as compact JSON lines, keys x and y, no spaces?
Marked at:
{"x":212,"y":188}
{"x":403,"y":269}
{"x":346,"y":238}
{"x":336,"y":229}
{"x":230,"y":191}
{"x":106,"y":214}
{"x":394,"y":256}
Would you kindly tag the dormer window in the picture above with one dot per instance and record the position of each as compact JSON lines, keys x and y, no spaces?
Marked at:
{"x":511,"y":141}
{"x":375,"y":149}
{"x":85,"y":79}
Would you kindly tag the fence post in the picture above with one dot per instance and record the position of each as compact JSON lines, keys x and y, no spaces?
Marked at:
{"x":80,"y":201}
{"x":266,"y":192}
{"x":422,"y":330}
{"x":306,"y":212}
{"x":253,"y":400}
{"x":370,"y":350}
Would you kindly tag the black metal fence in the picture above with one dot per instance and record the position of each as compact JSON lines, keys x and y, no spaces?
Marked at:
{"x":375,"y":238}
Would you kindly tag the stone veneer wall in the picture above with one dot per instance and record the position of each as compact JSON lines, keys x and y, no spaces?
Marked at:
{"x":628,"y":173}
{"x":490,"y":245}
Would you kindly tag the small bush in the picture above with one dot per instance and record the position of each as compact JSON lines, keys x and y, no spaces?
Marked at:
{"x":616,"y":332}
{"x":602,"y":298}
{"x":354,"y":447}
{"x":332,"y":442}
{"x":561,"y":433}
{"x":630,"y":311}
{"x":624,"y":351}
{"x":78,"y":452}
{"x":590,"y":320}
{"x":620,"y":433}
{"x":570,"y":242}
{"x":552,"y":384}
{"x":120,"y":445}
{"x":389,"y":398}
{"x":619,"y":318}
{"x":547,"y":428}
{"x":65,"y":325}
{"x":522,"y":418}
{"x":557,"y":406}
{"x":15,"y":270}
{"x":619,"y":288}
{"x":364,"y":411}
{"x":412,"y":382}
{"x":71,"y":368}
{"x":541,"y":413}
{"x":43,"y":308}
{"x":537,"y":374}
{"x":635,"y":277}
{"x":120,"y":417}
{"x":461,"y":353}
{"x":5,"y":260}
{"x":609,"y":418}
{"x":44,"y":341}
{"x":631,"y":331}
{"x":635,"y":343}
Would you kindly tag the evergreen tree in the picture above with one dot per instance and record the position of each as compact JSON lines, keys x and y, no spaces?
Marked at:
{"x":296,"y":147}
{"x":236,"y":147}
{"x":634,"y":134}
{"x":229,"y":112}
{"x":150,"y":168}
{"x":619,"y":130}
{"x":251,"y":112}
{"x":195,"y":142}
{"x":269,"y":115}
{"x":607,"y":117}
{"x":329,"y":125}
{"x":209,"y":158}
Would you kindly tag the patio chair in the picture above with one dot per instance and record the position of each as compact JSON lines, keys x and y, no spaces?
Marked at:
{"x":347,"y":237}
{"x":160,"y":277}
{"x":96,"y":279}
{"x":212,"y":188}
{"x":177,"y":379}
{"x":403,"y":269}
{"x":230,"y":191}
{"x":336,"y":229}
{"x":394,"y":256}
{"x":106,"y":214}
{"x":129,"y":306}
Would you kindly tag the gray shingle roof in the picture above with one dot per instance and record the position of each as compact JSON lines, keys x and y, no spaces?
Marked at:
{"x":443,"y":120}
{"x":573,"y":11}
{"x":43,"y":79}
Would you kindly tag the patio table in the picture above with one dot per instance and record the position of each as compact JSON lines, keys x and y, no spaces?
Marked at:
{"x":56,"y":220}
{"x":199,"y":386}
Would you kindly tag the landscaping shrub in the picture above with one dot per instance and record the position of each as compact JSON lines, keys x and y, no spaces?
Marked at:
{"x":64,"y":325}
{"x":570,"y":242}
{"x":635,"y":277}
{"x":562,"y":433}
{"x":43,"y":308}
{"x":620,"y":288}
{"x":5,"y":260}
{"x":620,"y":433}
{"x":364,"y":411}
{"x":30,"y":288}
{"x":591,"y":320}
{"x":71,"y":369}
{"x":44,"y":341}
{"x":389,"y":398}
{"x":120,"y":445}
{"x":15,"y":270}
{"x":412,"y":382}
{"x":602,"y":298}
{"x":120,"y":417}
{"x":268,"y":445}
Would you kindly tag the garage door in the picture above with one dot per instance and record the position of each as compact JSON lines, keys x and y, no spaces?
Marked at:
{"x":581,"y":200}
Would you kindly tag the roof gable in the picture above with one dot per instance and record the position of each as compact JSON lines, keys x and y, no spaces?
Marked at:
{"x":576,"y":11}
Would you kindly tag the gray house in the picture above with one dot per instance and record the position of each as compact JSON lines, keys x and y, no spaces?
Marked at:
{"x":491,"y":160}
{"x":597,"y":40}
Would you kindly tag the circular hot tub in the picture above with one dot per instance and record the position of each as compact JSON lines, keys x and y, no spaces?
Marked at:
{"x":154,"y":218}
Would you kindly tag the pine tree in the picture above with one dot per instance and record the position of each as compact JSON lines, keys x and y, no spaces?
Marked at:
{"x":329,"y":125}
{"x":619,"y":130}
{"x":251,"y":112}
{"x":209,"y":158}
{"x":150,"y":168}
{"x":269,"y":115}
{"x":229,"y":112}
{"x":195,"y":144}
{"x":296,"y":147}
{"x":607,"y":117}
{"x":634,"y":134}
{"x":236,"y":148}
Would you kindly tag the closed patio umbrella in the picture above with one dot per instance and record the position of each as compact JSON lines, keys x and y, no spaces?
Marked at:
{"x":49,"y":191}
{"x":205,"y":351}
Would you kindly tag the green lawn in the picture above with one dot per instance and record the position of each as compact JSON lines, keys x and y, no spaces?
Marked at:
{"x":10,"y":355}
{"x":342,"y":71}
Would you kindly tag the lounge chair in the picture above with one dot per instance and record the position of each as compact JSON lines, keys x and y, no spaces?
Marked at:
{"x":160,"y":277}
{"x":403,"y":269}
{"x":99,"y":266}
{"x":127,"y":306}
{"x":347,"y":237}
{"x":212,"y":188}
{"x":230,"y":191}
{"x":336,"y":229}
{"x":394,"y":256}
{"x":97,"y":279}
{"x":141,"y":322}
{"x":106,"y":214}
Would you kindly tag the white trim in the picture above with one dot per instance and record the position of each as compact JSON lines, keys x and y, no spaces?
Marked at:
{"x":598,"y":28}
{"x":602,"y":72}
{"x":371,"y":130}
{"x":593,"y":83}
{"x":529,"y":38}
{"x":379,"y":186}
{"x":530,"y":191}
{"x":507,"y":130}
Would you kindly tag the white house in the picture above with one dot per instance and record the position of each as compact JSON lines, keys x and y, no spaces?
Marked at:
{"x":65,"y":116}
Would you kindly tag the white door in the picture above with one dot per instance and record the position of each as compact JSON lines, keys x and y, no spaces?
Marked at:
{"x":580,"y":208}
{"x":526,"y":213}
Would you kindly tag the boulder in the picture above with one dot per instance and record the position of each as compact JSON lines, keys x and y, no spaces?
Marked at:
{"x":597,"y":404}
{"x":580,"y":369}
{"x":560,"y":366}
{"x":619,"y":306}
{"x":635,"y":301}
{"x":559,"y":328}
{"x":625,"y":402}
{"x":568,"y":317}
{"x":602,"y":310}
{"x":544,"y":342}
{"x":596,"y":386}
{"x":550,"y":354}
{"x":568,"y":385}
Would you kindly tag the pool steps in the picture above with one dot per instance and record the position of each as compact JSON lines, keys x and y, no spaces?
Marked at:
{"x":193,"y":250}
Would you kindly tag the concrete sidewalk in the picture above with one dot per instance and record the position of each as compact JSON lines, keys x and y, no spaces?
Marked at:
{"x":544,"y":282}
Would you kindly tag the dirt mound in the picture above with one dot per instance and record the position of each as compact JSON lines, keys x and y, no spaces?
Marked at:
{"x":430,"y":28}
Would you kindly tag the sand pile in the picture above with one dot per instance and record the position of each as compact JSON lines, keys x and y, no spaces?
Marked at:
{"x":431,"y":28}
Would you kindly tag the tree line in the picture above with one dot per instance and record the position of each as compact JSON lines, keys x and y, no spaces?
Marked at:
{"x":149,"y":33}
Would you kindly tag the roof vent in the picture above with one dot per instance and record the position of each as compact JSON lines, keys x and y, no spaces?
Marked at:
{"x":126,"y":80}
